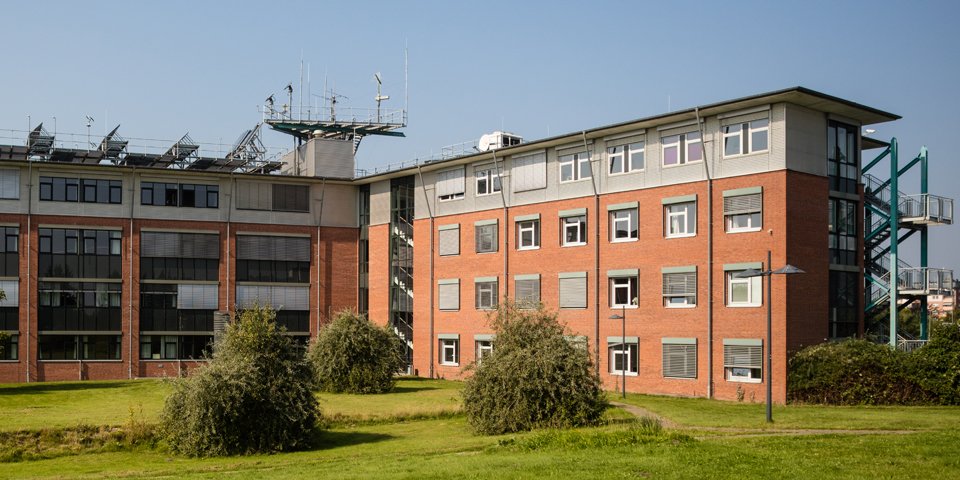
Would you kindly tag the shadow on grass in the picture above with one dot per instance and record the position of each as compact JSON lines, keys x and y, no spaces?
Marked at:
{"x":412,"y":388}
{"x":54,"y":387}
{"x":326,"y":439}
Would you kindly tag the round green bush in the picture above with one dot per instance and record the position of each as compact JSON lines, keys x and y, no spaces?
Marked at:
{"x":352,"y":355}
{"x":534,"y":378}
{"x":253,"y":397}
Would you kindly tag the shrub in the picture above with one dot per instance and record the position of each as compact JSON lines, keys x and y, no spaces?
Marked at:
{"x":937,"y":364}
{"x":534,"y":378}
{"x":352,"y":355}
{"x":254,"y":395}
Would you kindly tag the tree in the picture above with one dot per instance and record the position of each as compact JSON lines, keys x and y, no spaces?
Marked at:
{"x":254,"y":395}
{"x":352,"y":355}
{"x":534,"y":378}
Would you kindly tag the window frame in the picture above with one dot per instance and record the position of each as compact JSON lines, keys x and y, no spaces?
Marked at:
{"x":575,"y":161}
{"x":668,"y":214}
{"x":632,"y":352}
{"x":491,"y":176}
{"x":534,"y":229}
{"x":632,"y":285}
{"x":580,"y":226}
{"x":686,"y":299}
{"x":482,"y":348}
{"x":617,"y":152}
{"x":489,"y":288}
{"x":683,"y":144}
{"x":754,"y":372}
{"x":490,"y":230}
{"x":453,"y":346}
{"x":633,"y":225}
{"x":744,"y":135}
{"x":754,"y":290}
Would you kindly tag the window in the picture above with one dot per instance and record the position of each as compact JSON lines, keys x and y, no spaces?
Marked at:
{"x":843,"y":157}
{"x":9,"y":184}
{"x":486,"y":236}
{"x":575,"y":167}
{"x":9,"y":248}
{"x":252,"y":195}
{"x":86,"y":306}
{"x":60,"y":189}
{"x":11,"y":348}
{"x":528,"y":234}
{"x":488,"y":181}
{"x":267,"y":258}
{"x":172,"y":347}
{"x":679,"y":287}
{"x":680,"y":219}
{"x":743,"y":360}
{"x":179,"y":195}
{"x":449,"y":351}
{"x":484,"y":348}
{"x":449,"y":239}
{"x":291,"y":198}
{"x":623,"y":291}
{"x":743,"y":212}
{"x":844,"y":301}
{"x":70,"y":253}
{"x":529,"y":172}
{"x":744,"y":292}
{"x":450,"y":185}
{"x":623,"y":225}
{"x":449,"y":294}
{"x":486,"y":293}
{"x":842,"y":226}
{"x":623,"y":357}
{"x":91,"y":347}
{"x":679,"y":357}
{"x":744,"y":138}
{"x":625,"y":159}
{"x":573,"y":290}
{"x":681,"y":149}
{"x":527,"y":290}
{"x":574,"y":230}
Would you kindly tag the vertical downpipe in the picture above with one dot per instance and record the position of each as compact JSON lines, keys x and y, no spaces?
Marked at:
{"x":596,"y":254}
{"x":706,"y":169}
{"x":924,"y":239}
{"x":426,"y":199}
{"x":132,"y":190}
{"x":233,"y":185}
{"x":323,"y":192}
{"x":894,"y":240}
{"x":506,"y":228}
{"x":29,"y":258}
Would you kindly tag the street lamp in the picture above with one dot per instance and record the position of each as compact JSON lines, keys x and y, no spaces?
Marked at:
{"x":785,"y":270}
{"x":623,"y":346}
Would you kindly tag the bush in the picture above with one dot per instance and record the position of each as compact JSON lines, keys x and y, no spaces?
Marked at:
{"x":352,"y":355}
{"x":533,"y":379}
{"x":858,"y":372}
{"x":254,"y":396}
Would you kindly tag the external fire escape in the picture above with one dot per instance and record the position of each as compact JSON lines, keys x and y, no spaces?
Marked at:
{"x":401,"y":263}
{"x":891,"y":284}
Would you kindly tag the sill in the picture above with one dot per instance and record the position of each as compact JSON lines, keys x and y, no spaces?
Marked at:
{"x":457,"y":310}
{"x":9,"y":361}
{"x":745,"y":230}
{"x":747,"y":154}
{"x":680,"y":306}
{"x":681,"y":164}
{"x":441,"y":200}
{"x":575,"y":181}
{"x":574,"y":245}
{"x":744,"y":380}
{"x":483,"y":253}
{"x":78,"y":361}
{"x":681,"y":378}
{"x":449,"y":364}
{"x":621,"y":307}
{"x":685,"y":235}
{"x":620,"y":374}
{"x":485,"y":309}
{"x":450,"y":255}
{"x":174,"y":360}
{"x":745,"y":305}
{"x":528,"y":248}
{"x":625,"y":173}
{"x":624,"y":240}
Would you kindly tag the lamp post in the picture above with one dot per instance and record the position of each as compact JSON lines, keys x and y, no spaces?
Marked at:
{"x":785,"y":270}
{"x":623,"y":346}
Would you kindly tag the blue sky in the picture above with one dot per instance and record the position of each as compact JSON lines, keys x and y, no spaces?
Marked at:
{"x":162,"y":69}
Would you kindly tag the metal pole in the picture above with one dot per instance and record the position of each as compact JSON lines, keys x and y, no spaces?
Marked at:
{"x":924,"y":244}
{"x":769,"y":339}
{"x":623,"y":345}
{"x":894,"y":275}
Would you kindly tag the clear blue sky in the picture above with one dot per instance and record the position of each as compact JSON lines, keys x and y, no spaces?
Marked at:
{"x":165,"y":68}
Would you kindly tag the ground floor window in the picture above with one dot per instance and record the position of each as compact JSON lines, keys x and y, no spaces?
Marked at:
{"x":79,"y":347}
{"x":9,"y":349}
{"x":175,"y":347}
{"x":743,"y":360}
{"x":624,"y":358}
{"x":449,"y":351}
{"x":484,"y":348}
{"x":679,"y":358}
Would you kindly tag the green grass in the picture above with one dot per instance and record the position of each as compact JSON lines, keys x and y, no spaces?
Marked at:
{"x":412,"y":433}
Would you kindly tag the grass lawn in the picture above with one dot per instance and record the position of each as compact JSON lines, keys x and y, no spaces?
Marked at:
{"x":444,"y":447}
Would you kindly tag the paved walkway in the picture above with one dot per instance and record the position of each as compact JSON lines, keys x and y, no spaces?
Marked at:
{"x":741,"y":432}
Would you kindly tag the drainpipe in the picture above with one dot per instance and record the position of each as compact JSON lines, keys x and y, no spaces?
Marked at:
{"x":29,"y":259}
{"x":506,"y":229}
{"x":233,"y":183}
{"x":924,"y":239}
{"x":706,"y":170}
{"x":894,"y":241}
{"x":596,"y":254}
{"x":133,"y":187}
{"x":432,"y":227}
{"x":323,"y":191}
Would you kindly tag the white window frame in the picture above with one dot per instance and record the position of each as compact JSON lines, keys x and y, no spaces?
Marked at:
{"x":490,"y":289}
{"x":669,"y":214}
{"x":580,"y":226}
{"x":751,"y":130}
{"x":672,"y":300}
{"x":628,"y":349}
{"x":576,"y":162}
{"x":754,"y":290}
{"x":683,"y":144}
{"x":745,"y":132}
{"x":617,"y":152}
{"x":728,"y":222}
{"x":632,"y":284}
{"x":452,"y":346}
{"x":483,"y":348}
{"x":738,"y":134}
{"x":633,"y":149}
{"x":614,"y":219}
{"x":491,"y":179}
{"x":492,"y":234}
{"x":734,"y":373}
{"x":533,"y":227}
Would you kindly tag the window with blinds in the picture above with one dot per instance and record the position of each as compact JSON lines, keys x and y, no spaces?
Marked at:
{"x":9,"y":183}
{"x":573,"y":290}
{"x":529,"y":172}
{"x":449,"y":240}
{"x":277,"y":197}
{"x":197,"y":297}
{"x":680,"y":288}
{"x":179,"y":256}
{"x":449,"y":294}
{"x":743,"y":360}
{"x":278,"y":297}
{"x":11,"y":290}
{"x":486,"y":237}
{"x":450,"y":184}
{"x":743,"y":212}
{"x":291,"y":198}
{"x":486,"y":293}
{"x":680,"y":360}
{"x":527,"y":291}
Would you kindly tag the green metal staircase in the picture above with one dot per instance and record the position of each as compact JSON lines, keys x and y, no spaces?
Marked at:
{"x":891,"y":284}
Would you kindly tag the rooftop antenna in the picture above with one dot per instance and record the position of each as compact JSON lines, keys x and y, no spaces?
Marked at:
{"x":269,"y":104}
{"x":89,"y":120}
{"x":380,"y":97}
{"x":406,"y":85}
{"x":289,"y":89}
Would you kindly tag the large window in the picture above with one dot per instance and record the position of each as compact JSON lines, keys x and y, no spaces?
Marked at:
{"x":175,"y":347}
{"x":680,"y":219}
{"x":79,"y":306}
{"x":744,"y":292}
{"x":528,"y":234}
{"x":179,"y":195}
{"x":486,"y":293}
{"x":843,"y":157}
{"x":10,"y":348}
{"x":623,"y":225}
{"x":69,"y":253}
{"x":173,"y":308}
{"x":625,"y":158}
{"x":83,"y":347}
{"x":681,"y":149}
{"x":9,"y":251}
{"x":575,"y":167}
{"x":449,"y":351}
{"x":488,"y":181}
{"x":679,"y":287}
{"x":574,"y":230}
{"x":486,"y":236}
{"x":483,"y":348}
{"x":842,"y":224}
{"x":742,"y":211}
{"x":623,"y":290}
{"x":62,"y":189}
{"x":277,"y":197}
{"x":623,"y":357}
{"x":273,"y":259}
{"x":747,"y":137}
{"x":844,"y":304}
{"x":679,"y":357}
{"x":743,"y":360}
{"x":179,"y":256}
